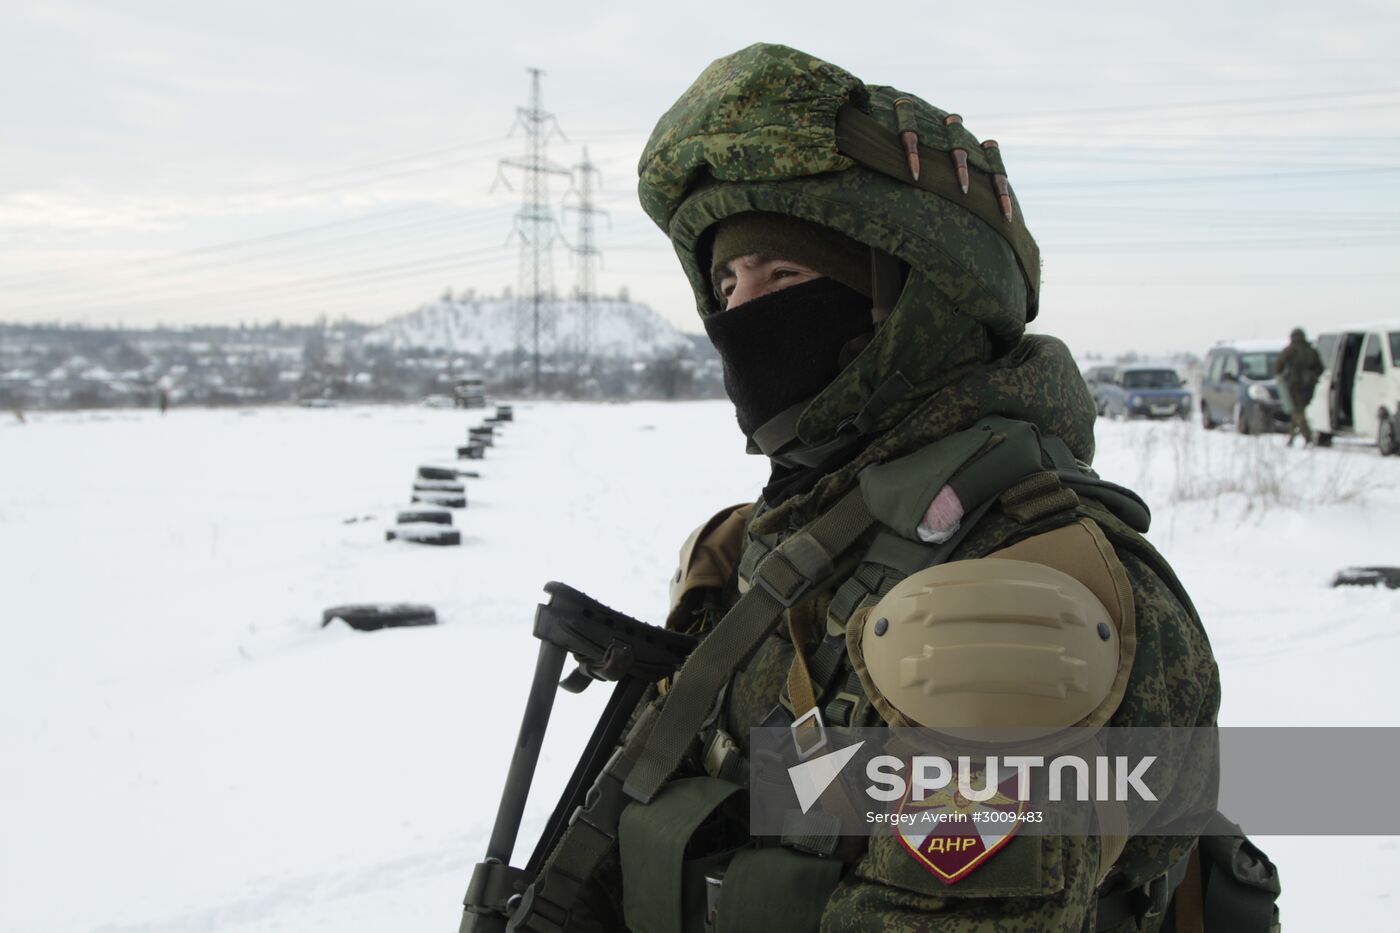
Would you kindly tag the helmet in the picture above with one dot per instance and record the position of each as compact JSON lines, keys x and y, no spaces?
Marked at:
{"x":773,"y":129}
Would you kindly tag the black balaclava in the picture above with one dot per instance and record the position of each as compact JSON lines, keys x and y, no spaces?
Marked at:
{"x":784,"y":347}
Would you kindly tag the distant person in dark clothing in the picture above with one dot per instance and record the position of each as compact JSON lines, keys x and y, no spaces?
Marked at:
{"x":1299,"y":368}
{"x":163,"y":400}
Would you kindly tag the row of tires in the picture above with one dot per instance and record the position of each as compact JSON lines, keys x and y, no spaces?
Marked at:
{"x":436,"y":486}
{"x":442,"y":487}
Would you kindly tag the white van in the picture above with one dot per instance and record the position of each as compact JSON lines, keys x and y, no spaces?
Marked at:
{"x":1359,"y":392}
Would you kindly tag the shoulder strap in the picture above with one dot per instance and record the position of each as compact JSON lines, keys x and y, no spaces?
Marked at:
{"x":796,"y":566}
{"x":654,"y":747}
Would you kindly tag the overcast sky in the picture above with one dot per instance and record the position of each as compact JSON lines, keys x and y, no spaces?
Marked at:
{"x":1191,"y":170}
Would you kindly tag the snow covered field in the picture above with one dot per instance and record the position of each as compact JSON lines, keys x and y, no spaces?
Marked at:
{"x":186,"y":749}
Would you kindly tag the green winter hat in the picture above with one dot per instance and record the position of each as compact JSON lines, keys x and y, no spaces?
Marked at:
{"x":780,"y":236}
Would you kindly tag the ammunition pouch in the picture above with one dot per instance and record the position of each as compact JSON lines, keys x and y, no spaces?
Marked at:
{"x":667,"y":848}
{"x":1225,"y":885}
{"x":1239,"y":883}
{"x":688,"y":866}
{"x":775,"y":888}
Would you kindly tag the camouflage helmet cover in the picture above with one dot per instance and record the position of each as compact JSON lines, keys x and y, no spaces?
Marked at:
{"x":770,"y":128}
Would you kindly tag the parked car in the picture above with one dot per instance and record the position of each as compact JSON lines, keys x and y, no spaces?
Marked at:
{"x":1147,"y":392}
{"x":1239,"y":387}
{"x":1097,"y":377}
{"x":1359,"y":392}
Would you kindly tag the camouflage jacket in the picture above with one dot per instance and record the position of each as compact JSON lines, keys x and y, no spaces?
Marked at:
{"x":1033,"y":883}
{"x":1300,"y":366}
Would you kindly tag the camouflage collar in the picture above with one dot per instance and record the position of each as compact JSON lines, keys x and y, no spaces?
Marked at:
{"x":1037,"y":382}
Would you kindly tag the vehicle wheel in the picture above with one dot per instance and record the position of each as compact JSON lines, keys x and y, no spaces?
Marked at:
{"x":1386,"y":441}
{"x":418,"y":516}
{"x":425,"y":534}
{"x":1322,"y":439}
{"x":1241,"y":419}
{"x":1207,"y":421}
{"x":369,"y":617}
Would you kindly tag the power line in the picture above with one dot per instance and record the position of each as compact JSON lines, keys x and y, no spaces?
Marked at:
{"x":348,"y":170}
{"x":435,"y":228}
{"x":1194,"y":105}
{"x":1212,"y":245}
{"x":1242,"y":178}
{"x":235,"y":244}
{"x":315,"y":283}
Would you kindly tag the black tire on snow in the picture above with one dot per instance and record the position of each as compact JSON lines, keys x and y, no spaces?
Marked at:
{"x":369,"y":617}
{"x":1322,"y":439}
{"x":424,"y":534}
{"x":471,"y":452}
{"x":444,"y":500}
{"x":433,"y":516}
{"x":1368,"y":576}
{"x":438,"y":485}
{"x":1207,"y":421}
{"x":434,"y":472}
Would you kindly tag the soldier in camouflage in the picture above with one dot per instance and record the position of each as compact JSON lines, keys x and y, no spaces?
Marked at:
{"x":1299,"y":368}
{"x":862,"y":265}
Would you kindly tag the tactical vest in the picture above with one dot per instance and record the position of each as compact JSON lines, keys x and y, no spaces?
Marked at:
{"x":686,"y":861}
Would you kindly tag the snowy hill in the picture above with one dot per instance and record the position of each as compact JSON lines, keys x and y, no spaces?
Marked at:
{"x":487,"y":327}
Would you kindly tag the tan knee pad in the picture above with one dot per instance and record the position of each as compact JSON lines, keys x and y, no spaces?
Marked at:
{"x":994,"y":643}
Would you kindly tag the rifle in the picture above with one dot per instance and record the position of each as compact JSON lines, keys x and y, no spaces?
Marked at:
{"x":607,"y":645}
